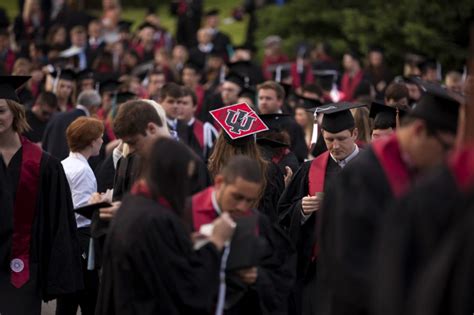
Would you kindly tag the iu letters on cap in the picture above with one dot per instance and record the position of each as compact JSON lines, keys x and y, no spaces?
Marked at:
{"x":238,"y":120}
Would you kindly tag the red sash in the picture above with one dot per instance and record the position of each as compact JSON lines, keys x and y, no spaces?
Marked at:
{"x":317,"y":173}
{"x":198,"y":130}
{"x":316,"y":178}
{"x":24,"y":212}
{"x":388,"y":154}
{"x":461,"y":165}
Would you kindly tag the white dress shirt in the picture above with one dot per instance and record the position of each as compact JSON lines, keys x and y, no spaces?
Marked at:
{"x":82,"y":183}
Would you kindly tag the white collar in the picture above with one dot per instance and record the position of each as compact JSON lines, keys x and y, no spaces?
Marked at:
{"x":78,"y":156}
{"x":215,"y":205}
{"x":172,"y":122}
{"x":344,"y":162}
{"x":191,"y":122}
{"x":83,"y":108}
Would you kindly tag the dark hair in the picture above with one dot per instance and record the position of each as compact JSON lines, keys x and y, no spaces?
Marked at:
{"x":396,"y":92}
{"x":82,"y":132}
{"x":363,"y":89}
{"x":384,"y":122}
{"x":47,"y":98}
{"x":244,"y":167}
{"x":133,"y":118}
{"x":272,"y":85}
{"x":313,"y":88}
{"x":186,"y":91}
{"x":167,"y":176}
{"x":170,"y":89}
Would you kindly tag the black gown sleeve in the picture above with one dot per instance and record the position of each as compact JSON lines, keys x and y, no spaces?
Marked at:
{"x":274,"y":187}
{"x":60,"y":253}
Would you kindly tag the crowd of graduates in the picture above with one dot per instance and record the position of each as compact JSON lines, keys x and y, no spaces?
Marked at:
{"x":146,"y":173}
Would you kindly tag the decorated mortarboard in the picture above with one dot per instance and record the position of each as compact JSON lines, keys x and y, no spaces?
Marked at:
{"x":85,"y":74}
{"x":65,"y":74}
{"x":238,"y":121}
{"x":437,"y":106}
{"x":337,"y":116}
{"x":212,"y":12}
{"x":9,"y":85}
{"x":385,"y":116}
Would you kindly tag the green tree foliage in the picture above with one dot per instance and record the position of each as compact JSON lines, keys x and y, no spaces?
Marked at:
{"x":432,"y":28}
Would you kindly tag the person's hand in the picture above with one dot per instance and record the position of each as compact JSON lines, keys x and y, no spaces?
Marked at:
{"x":95,"y":198}
{"x":248,"y":275}
{"x":310,"y":204}
{"x":288,"y":176}
{"x":223,"y":230}
{"x":107,"y":214}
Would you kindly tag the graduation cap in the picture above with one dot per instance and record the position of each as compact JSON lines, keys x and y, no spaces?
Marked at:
{"x":239,"y":122}
{"x":385,"y":116}
{"x":109,"y":85}
{"x":337,"y":116}
{"x":124,"y":26}
{"x":212,"y":12}
{"x":85,"y":74}
{"x":249,"y":92}
{"x":123,"y":97}
{"x":280,"y":71}
{"x":276,"y":122}
{"x":64,"y":74}
{"x":437,"y":106}
{"x":265,"y":141}
{"x":237,"y":78}
{"x":147,"y":24}
{"x":306,"y":103}
{"x":9,"y":85}
{"x":325,"y":77}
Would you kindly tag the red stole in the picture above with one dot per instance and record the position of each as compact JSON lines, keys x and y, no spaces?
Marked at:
{"x":316,"y":178}
{"x":317,"y":173}
{"x":198,"y":130}
{"x":307,"y":73}
{"x":349,"y":84}
{"x":461,"y":165}
{"x":199,"y":90}
{"x":24,"y":212}
{"x":203,"y":211}
{"x":389,"y":156}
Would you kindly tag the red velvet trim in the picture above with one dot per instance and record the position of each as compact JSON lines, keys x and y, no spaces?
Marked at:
{"x":24,"y":212}
{"x":461,"y":164}
{"x":198,"y":130}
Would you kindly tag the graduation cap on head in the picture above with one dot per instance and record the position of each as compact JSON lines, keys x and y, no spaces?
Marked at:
{"x":276,"y":122}
{"x":307,"y":103}
{"x":123,"y":97}
{"x":109,"y":85}
{"x":280,"y":71}
{"x":337,"y":116}
{"x":437,"y":106}
{"x":212,"y":12}
{"x":124,"y":26}
{"x":266,"y":141}
{"x":239,"y":122}
{"x":237,"y":78}
{"x":9,"y":85}
{"x":65,"y":74}
{"x":385,"y":116}
{"x":85,"y":74}
{"x":249,"y":92}
{"x":325,"y":78}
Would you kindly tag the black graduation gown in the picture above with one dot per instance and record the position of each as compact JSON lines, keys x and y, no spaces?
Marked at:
{"x":55,"y":255}
{"x":303,"y":236}
{"x":155,"y":271}
{"x":446,"y":285}
{"x":352,"y":209}
{"x":54,"y":138}
{"x":37,"y":127}
{"x":276,"y":267}
{"x":105,"y":174}
{"x":298,"y":142}
{"x":410,"y":235}
{"x":221,"y":44}
{"x":274,"y":186}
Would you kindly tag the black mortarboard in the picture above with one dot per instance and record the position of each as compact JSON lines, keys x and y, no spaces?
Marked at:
{"x":280,"y":71}
{"x":124,"y":26}
{"x":276,"y":122}
{"x":249,"y":92}
{"x":236,"y":78}
{"x":65,"y":74}
{"x":212,"y":12}
{"x":193,"y":65}
{"x":325,"y":77}
{"x":109,"y":85}
{"x":437,"y":106}
{"x":147,"y":24}
{"x":272,"y":143}
{"x":123,"y":97}
{"x":307,"y":103}
{"x":85,"y":74}
{"x":337,"y":116}
{"x":385,"y":116}
{"x":9,"y":84}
